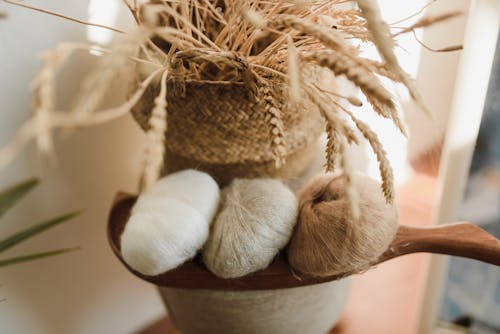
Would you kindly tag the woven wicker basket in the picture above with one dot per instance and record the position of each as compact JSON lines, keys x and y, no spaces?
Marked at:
{"x":226,"y":130}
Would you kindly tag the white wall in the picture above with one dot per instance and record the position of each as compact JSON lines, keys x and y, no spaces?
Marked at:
{"x":86,"y":292}
{"x":436,"y":78}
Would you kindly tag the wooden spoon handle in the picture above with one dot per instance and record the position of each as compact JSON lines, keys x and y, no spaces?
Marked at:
{"x":458,"y":239}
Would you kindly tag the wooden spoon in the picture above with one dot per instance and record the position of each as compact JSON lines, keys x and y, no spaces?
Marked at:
{"x":459,"y":239}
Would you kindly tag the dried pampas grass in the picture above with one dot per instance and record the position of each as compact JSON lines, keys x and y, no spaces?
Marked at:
{"x":327,"y":240}
{"x":251,"y":42}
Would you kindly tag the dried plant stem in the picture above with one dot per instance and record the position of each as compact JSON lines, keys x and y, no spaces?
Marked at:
{"x":339,"y":134}
{"x":133,"y":9}
{"x":101,"y":50}
{"x":44,"y":95}
{"x":380,"y":69}
{"x":191,"y":28}
{"x":350,"y":189}
{"x":329,"y":37}
{"x":26,"y":132}
{"x":353,"y":100}
{"x":385,"y":46}
{"x":293,"y":71}
{"x":445,"y":49}
{"x":96,"y":85}
{"x":201,"y":56}
{"x":330,"y":114}
{"x":332,"y":148}
{"x":179,"y":39}
{"x":80,"y":46}
{"x":276,"y":125}
{"x":384,"y":164}
{"x":68,"y":120}
{"x":257,"y":43}
{"x":155,"y":142}
{"x":428,"y":21}
{"x":45,"y":11}
{"x":342,"y":65}
{"x":104,"y":116}
{"x":387,"y":112}
{"x":420,"y":11}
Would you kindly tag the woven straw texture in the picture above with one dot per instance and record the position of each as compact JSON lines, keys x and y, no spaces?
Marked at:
{"x":226,"y":130}
{"x":296,"y":164}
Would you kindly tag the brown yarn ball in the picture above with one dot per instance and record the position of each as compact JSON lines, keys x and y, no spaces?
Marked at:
{"x":327,"y":240}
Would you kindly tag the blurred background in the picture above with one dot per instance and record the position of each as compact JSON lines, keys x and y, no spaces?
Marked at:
{"x":88,"y":291}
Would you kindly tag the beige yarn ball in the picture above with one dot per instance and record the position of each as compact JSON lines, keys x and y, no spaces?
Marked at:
{"x":327,"y":240}
{"x":256,"y":221}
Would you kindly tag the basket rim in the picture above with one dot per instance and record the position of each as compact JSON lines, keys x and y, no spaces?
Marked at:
{"x":211,"y":82}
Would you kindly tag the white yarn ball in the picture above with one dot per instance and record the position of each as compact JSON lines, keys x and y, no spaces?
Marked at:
{"x":197,"y":189}
{"x":256,"y":221}
{"x":168,"y":225}
{"x":163,"y":237}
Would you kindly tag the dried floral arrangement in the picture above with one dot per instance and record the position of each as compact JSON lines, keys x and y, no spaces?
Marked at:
{"x":260,"y":45}
{"x":233,"y":96}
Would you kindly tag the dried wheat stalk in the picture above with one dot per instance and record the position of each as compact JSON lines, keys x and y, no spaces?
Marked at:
{"x":328,"y":109}
{"x":428,"y":21}
{"x":44,"y":98}
{"x":385,"y":45}
{"x":384,"y":164}
{"x":350,"y":189}
{"x":342,"y":65}
{"x":247,"y":41}
{"x":96,"y":85}
{"x":61,"y":119}
{"x":276,"y":124}
{"x":155,"y":137}
{"x":332,"y":148}
{"x":339,"y":135}
{"x":293,"y":71}
{"x":329,"y":37}
{"x":386,"y":112}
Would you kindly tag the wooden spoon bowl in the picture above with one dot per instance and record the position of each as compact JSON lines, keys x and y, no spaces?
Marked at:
{"x":458,"y":239}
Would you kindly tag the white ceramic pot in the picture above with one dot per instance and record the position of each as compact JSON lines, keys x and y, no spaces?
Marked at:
{"x":311,"y":309}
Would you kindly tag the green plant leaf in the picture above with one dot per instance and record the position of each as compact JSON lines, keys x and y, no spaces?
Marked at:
{"x":36,"y":256}
{"x":34,"y":230}
{"x":10,"y":196}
